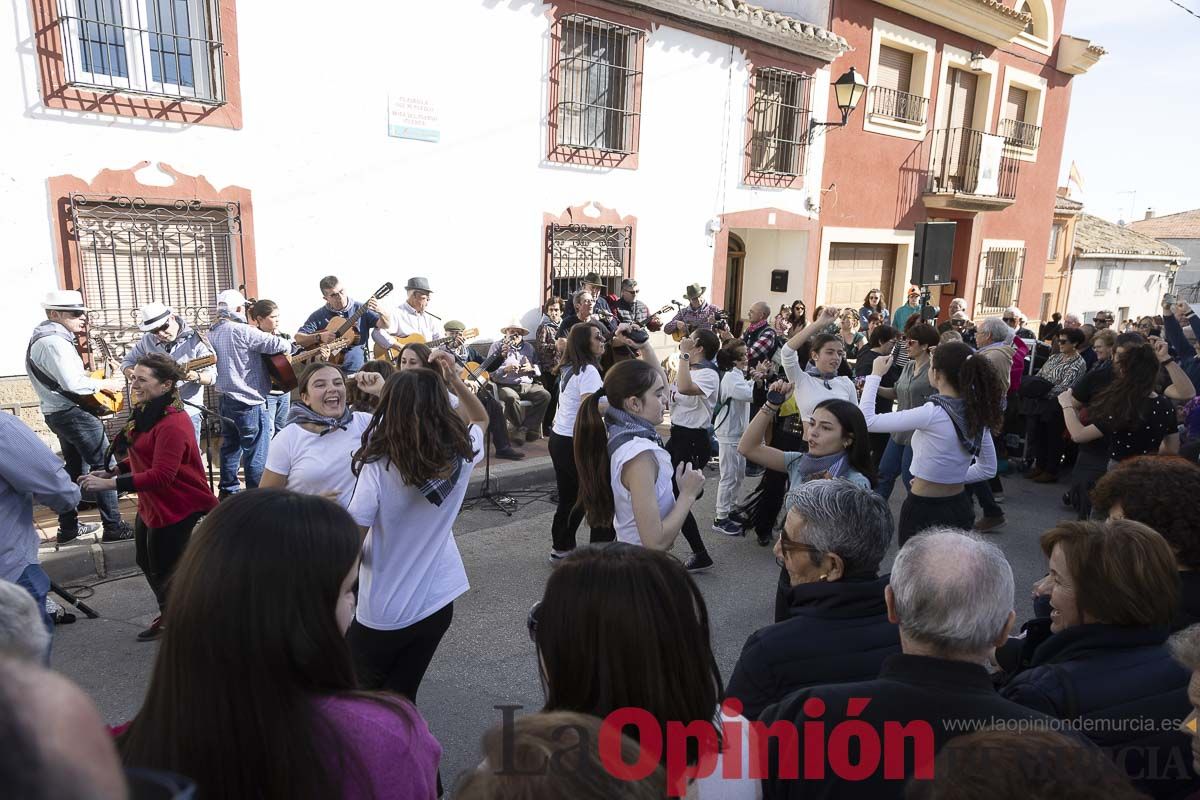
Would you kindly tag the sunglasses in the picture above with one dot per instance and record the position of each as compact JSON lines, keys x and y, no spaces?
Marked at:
{"x":531,"y":621}
{"x":76,"y":314}
{"x":162,"y":328}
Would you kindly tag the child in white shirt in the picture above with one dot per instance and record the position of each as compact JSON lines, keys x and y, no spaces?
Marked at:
{"x":730,"y":418}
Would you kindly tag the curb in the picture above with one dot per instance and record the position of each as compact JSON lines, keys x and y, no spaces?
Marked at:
{"x":76,"y":563}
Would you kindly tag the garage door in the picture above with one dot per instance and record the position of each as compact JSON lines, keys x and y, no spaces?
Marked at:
{"x":855,"y":269}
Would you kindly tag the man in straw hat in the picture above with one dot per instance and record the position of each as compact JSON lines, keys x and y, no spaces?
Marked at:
{"x":516,"y":376}
{"x":696,"y":315}
{"x":57,"y":374}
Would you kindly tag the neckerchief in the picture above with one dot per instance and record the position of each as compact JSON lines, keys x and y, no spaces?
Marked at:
{"x":825,"y":377}
{"x":835,"y":464}
{"x":436,"y":490}
{"x":302,"y":413}
{"x":956,"y":409}
{"x":226,"y":314}
{"x":623,"y":427}
{"x":50,"y":328}
{"x":142,"y":419}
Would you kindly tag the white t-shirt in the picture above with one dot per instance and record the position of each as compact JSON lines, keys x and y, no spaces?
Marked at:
{"x":695,"y":411}
{"x":716,"y":786}
{"x":411,"y":567}
{"x":623,"y":520}
{"x":315,"y":464}
{"x":809,"y":389}
{"x":587,"y":381}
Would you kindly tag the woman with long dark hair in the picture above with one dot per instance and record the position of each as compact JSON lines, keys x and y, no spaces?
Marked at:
{"x":157,"y":457}
{"x":625,"y":475}
{"x":578,"y":377}
{"x":253,"y":692}
{"x":1135,"y":418}
{"x":872,"y":304}
{"x":952,"y":442}
{"x":413,"y":470}
{"x":364,"y":401}
{"x":837,"y":439}
{"x":599,"y":650}
{"x":911,"y":390}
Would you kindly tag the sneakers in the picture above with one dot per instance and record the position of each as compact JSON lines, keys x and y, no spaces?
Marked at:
{"x":699,"y":563}
{"x":80,"y":530}
{"x":739,"y":516}
{"x":558,"y":555}
{"x":990,"y":524}
{"x":120,"y":532}
{"x":727,"y":527}
{"x":153,"y":632}
{"x":998,"y":497}
{"x":509,"y":454}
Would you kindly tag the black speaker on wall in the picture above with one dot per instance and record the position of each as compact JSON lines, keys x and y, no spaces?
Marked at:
{"x":933,"y":253}
{"x":779,"y":280}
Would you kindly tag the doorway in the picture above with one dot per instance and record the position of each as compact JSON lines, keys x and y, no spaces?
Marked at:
{"x":735,"y":266}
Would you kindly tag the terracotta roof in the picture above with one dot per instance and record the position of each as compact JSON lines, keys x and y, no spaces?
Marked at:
{"x":1184,"y":225}
{"x":1097,"y":49}
{"x":759,"y":23}
{"x":996,"y":5}
{"x":1095,"y":235}
{"x":1066,"y":205}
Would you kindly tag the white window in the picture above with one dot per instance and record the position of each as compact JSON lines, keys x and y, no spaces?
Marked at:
{"x":1040,"y":29}
{"x":1104,"y":281}
{"x":168,"y":48}
{"x":900,"y":80}
{"x":1055,"y":235}
{"x":1021,"y":119}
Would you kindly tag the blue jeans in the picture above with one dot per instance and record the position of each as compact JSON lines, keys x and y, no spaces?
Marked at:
{"x":35,"y":581}
{"x":354,"y":358}
{"x":897,"y":459}
{"x":278,"y":408}
{"x":84,"y":446}
{"x":246,"y":446}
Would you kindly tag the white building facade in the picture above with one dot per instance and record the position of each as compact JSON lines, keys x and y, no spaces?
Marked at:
{"x":500,"y":148}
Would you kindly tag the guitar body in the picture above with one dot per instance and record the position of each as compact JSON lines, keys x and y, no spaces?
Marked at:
{"x":283,"y":375}
{"x":102,"y":403}
{"x":472,"y":372}
{"x":393,"y":353}
{"x":344,"y":329}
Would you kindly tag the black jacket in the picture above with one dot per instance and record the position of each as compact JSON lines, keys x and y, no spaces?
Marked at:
{"x":1189,"y":605}
{"x":1123,"y":687}
{"x":952,"y":697}
{"x":837,"y":633}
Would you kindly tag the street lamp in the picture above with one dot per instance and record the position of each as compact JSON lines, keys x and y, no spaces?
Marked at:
{"x":847,"y":90}
{"x":977,"y":60}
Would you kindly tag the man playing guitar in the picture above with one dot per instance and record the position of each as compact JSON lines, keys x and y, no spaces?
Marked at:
{"x":696,"y":315}
{"x":629,"y":308}
{"x":409,"y":318}
{"x":338,"y":304}
{"x":56,"y":371}
{"x":167,"y":332}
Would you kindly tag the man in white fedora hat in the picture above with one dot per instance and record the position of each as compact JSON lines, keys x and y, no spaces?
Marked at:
{"x":409,"y":318}
{"x":164,"y":331}
{"x":244,"y":384}
{"x":56,"y":371}
{"x":516,"y":377}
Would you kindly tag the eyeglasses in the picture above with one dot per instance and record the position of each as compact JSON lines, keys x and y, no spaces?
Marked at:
{"x":76,"y":314}
{"x":531,"y":622}
{"x":797,"y":547}
{"x":1009,"y":319}
{"x":162,"y":328}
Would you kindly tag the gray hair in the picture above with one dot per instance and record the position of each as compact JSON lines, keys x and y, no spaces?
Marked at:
{"x":23,"y":634}
{"x":1185,"y":647}
{"x":959,"y":301}
{"x":844,"y":518}
{"x":580,"y":293}
{"x":1016,"y":312}
{"x":997,"y":330}
{"x":952,"y":591}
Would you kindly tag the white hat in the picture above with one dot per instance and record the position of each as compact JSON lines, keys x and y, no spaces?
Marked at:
{"x":154,"y":315}
{"x":231,"y":299}
{"x":64,"y":300}
{"x":515,"y":325}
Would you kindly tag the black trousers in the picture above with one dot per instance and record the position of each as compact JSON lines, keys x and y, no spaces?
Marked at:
{"x":157,"y":551}
{"x":497,"y":425}
{"x":550,"y":382}
{"x":763,"y":505}
{"x":690,"y":446}
{"x":397,"y":660}
{"x":568,"y":515}
{"x":919,"y":513}
{"x":1048,"y":440}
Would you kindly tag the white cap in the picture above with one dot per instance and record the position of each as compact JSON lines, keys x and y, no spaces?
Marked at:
{"x":231,"y":299}
{"x":64,"y":300}
{"x":153,"y":315}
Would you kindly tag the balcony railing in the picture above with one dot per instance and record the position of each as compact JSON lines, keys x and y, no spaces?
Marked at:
{"x":969,"y":169}
{"x":898,"y":105}
{"x":1020,"y":134}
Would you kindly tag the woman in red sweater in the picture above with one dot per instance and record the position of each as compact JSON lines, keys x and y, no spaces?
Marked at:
{"x":158,"y":458}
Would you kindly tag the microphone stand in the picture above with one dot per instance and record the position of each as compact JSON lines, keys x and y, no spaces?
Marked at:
{"x":206,"y":416}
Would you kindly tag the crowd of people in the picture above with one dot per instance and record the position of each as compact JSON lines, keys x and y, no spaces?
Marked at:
{"x":298,"y":676}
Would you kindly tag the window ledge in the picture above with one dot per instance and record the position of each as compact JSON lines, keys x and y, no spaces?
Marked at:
{"x":890,"y":126}
{"x":592,"y":157}
{"x":774,"y":180}
{"x":1035,"y":43}
{"x":1022,"y":153}
{"x":178,"y":99}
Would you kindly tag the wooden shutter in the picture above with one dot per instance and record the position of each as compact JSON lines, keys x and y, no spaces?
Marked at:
{"x":894,"y":70}
{"x":1014,"y":106}
{"x":962,"y":85}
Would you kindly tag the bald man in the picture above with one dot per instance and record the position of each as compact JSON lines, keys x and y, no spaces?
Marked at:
{"x":759,"y":335}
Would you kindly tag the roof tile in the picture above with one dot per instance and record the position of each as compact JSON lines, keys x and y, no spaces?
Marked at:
{"x":1184,"y":225}
{"x":1095,"y":235}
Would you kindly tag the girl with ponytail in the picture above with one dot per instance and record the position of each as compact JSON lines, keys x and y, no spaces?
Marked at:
{"x":624,"y":470}
{"x":952,"y":442}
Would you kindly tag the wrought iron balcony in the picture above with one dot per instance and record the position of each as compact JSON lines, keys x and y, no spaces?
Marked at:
{"x":897,"y":105}
{"x":1020,"y":134}
{"x":969,"y":170}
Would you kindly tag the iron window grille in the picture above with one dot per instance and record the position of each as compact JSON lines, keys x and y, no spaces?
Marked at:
{"x":1000,"y":271}
{"x":133,"y":250}
{"x":161,"y":48}
{"x":597,"y":74}
{"x":575,"y":250}
{"x":780,"y":126}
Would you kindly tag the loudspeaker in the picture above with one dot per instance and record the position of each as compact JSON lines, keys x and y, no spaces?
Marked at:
{"x":933,"y":253}
{"x":779,"y":280}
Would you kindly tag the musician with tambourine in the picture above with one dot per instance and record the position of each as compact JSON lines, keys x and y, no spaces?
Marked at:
{"x":316,"y":330}
{"x":517,"y":375}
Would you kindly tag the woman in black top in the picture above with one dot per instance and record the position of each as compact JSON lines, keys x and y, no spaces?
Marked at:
{"x":880,"y":344}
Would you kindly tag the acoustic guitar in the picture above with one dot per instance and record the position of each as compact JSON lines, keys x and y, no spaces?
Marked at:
{"x":345,"y":330}
{"x":285,"y":369}
{"x":199,"y":363}
{"x":102,"y":403}
{"x":393,"y":352}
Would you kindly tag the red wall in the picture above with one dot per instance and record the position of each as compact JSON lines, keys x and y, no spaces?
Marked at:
{"x":875,"y":174}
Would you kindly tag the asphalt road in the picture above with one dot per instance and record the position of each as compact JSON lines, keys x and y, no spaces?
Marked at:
{"x":486,"y":659}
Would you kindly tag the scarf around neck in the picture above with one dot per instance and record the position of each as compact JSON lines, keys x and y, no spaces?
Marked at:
{"x":51,"y":328}
{"x":836,"y":464}
{"x":956,"y":409}
{"x":623,"y":427}
{"x":301,"y":413}
{"x":825,"y":377}
{"x":143,"y":417}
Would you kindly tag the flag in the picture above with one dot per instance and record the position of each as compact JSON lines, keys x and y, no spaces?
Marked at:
{"x":1075,"y":177}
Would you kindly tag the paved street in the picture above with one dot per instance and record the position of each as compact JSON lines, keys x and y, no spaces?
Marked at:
{"x":487,"y":658}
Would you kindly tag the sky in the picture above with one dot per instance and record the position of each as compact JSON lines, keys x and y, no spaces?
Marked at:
{"x":1134,"y":124}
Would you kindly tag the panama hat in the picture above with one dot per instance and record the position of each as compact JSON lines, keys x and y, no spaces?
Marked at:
{"x":153,"y":316}
{"x":64,"y":300}
{"x":514,"y":326}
